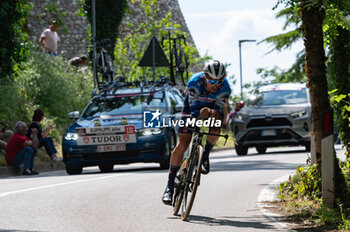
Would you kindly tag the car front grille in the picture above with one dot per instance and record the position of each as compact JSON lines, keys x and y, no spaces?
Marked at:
{"x":262,"y":122}
{"x":111,"y":155}
{"x":256,"y":136}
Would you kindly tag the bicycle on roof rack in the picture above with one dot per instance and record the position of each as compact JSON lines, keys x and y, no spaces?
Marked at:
{"x":104,"y":65}
{"x":178,"y":57}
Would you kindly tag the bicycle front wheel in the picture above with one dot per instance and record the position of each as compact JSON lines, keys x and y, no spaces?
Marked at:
{"x":192,"y":183}
{"x":179,"y":188}
{"x":178,"y":196}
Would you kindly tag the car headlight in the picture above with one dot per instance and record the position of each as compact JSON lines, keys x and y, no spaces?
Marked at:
{"x":71,"y":136}
{"x":150,"y":131}
{"x":242,"y":117}
{"x":298,"y":114}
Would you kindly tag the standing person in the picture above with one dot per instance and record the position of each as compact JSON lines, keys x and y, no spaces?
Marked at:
{"x":22,"y":150}
{"x":50,"y":40}
{"x":44,"y":140}
{"x":5,"y":134}
{"x":206,"y":97}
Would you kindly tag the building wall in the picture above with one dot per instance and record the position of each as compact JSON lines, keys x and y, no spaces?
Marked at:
{"x":75,"y":39}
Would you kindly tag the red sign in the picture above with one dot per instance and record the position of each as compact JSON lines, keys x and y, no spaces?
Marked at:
{"x":86,"y":140}
{"x":129,"y":130}
{"x":126,"y":138}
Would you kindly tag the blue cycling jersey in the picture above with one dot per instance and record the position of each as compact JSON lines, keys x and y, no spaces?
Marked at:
{"x":197,"y":96}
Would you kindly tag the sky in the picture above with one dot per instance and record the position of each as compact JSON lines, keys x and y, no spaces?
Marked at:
{"x":217,"y":26}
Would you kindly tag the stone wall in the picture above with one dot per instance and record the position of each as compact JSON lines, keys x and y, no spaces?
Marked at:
{"x":74,"y":40}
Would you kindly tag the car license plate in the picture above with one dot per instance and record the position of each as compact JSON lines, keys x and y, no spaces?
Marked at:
{"x":111,"y":148}
{"x":268,"y":133}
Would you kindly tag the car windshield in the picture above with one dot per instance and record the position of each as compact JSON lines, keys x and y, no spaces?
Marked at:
{"x":278,"y":97}
{"x":123,"y":105}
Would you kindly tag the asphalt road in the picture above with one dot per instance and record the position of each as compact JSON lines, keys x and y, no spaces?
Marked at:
{"x":129,"y":199}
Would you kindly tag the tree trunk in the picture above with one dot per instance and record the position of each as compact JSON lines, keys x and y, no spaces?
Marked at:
{"x":315,"y":68}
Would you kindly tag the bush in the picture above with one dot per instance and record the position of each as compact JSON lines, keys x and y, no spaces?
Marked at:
{"x":306,"y":183}
{"x":47,"y":83}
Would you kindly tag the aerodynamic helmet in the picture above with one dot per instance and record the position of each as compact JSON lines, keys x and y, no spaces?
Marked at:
{"x":215,"y":70}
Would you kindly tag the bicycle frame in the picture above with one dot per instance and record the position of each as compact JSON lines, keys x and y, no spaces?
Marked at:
{"x":187,"y":179}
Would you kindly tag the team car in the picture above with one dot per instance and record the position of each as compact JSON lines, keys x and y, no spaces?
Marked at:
{"x":112,"y":129}
{"x":275,"y":115}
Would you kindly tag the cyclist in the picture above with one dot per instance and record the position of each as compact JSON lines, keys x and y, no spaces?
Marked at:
{"x":206,"y":96}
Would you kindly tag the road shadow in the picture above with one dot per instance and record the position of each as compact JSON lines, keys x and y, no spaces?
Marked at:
{"x":123,"y":169}
{"x":215,"y":155}
{"x":9,"y":230}
{"x":237,"y":222}
{"x":251,"y":165}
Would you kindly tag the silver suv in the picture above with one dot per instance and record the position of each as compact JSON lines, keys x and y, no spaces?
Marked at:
{"x":275,"y":115}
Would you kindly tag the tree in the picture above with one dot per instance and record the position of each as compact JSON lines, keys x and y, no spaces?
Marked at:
{"x":339,"y":70}
{"x":284,"y":41}
{"x":129,"y":50}
{"x":312,"y":16}
{"x":12,"y":39}
{"x":313,"y":13}
{"x":335,"y":27}
{"x":109,"y":14}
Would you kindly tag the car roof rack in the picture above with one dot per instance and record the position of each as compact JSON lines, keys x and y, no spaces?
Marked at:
{"x":111,"y":88}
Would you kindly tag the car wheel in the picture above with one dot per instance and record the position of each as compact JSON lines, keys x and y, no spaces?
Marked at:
{"x":169,"y":147}
{"x":261,"y":150}
{"x":241,"y":150}
{"x":74,"y":170}
{"x":106,"y":167}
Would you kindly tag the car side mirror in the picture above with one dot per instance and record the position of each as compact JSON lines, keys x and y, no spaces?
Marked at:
{"x":74,"y":115}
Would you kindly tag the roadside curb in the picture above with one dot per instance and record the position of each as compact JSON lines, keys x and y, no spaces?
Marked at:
{"x":17,"y":171}
{"x":269,"y":194}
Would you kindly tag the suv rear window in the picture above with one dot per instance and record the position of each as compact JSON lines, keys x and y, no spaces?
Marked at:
{"x":278,"y":97}
{"x":122,"y":105}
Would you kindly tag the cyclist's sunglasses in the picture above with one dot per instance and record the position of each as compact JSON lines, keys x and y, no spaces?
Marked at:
{"x":217,"y":82}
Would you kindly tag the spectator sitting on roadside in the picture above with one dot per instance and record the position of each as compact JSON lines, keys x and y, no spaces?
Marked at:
{"x":5,"y":135}
{"x":79,"y":61}
{"x":22,"y":150}
{"x":44,"y":140}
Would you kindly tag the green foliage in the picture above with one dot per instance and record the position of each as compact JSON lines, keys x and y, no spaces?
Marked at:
{"x":334,"y":19}
{"x":109,"y":14}
{"x":47,"y":83}
{"x":52,"y":12}
{"x":13,"y":46}
{"x":305,"y":186}
{"x":306,"y":183}
{"x":129,"y":50}
{"x":285,"y":40}
{"x":326,"y":215}
{"x":341,"y":103}
{"x":293,"y":74}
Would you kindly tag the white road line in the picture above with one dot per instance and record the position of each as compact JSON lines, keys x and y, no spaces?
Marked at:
{"x":269,"y":193}
{"x":55,"y":185}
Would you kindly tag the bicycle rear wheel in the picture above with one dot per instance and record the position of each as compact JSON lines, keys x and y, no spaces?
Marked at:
{"x":190,"y":188}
